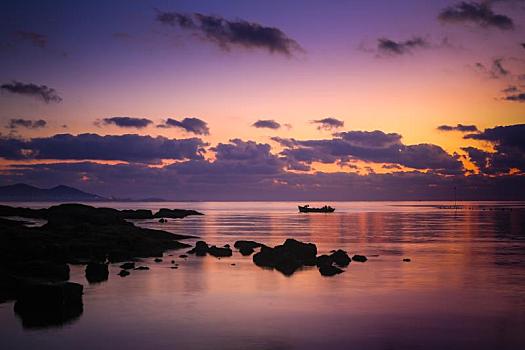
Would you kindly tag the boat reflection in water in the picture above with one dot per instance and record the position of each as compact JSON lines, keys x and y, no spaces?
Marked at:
{"x":307,"y":209}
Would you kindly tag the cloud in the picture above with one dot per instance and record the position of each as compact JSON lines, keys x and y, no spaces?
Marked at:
{"x":226,"y":33}
{"x":391,"y":47}
{"x":375,"y":146}
{"x":44,"y":92}
{"x":523,"y":45}
{"x":218,"y":180}
{"x":510,"y":89}
{"x":193,"y":125}
{"x":496,"y":71}
{"x":26,"y":123}
{"x":128,"y":148}
{"x":458,"y":127}
{"x":127,"y":122}
{"x":36,"y":39}
{"x":329,"y":123}
{"x":516,"y":98}
{"x":509,"y":149}
{"x":269,"y":124}
{"x":479,"y":14}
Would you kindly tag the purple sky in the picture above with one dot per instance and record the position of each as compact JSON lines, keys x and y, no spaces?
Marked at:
{"x":295,"y":100}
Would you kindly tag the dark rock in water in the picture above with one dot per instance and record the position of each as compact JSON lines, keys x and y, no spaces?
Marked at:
{"x":141,"y":268}
{"x":128,"y":266}
{"x":200,"y":249}
{"x":49,"y":304}
{"x":173,"y":261}
{"x":226,"y":246}
{"x":184,"y":256}
{"x":340,"y":257}
{"x":219,"y":252}
{"x":73,"y":214}
{"x":96,"y":272}
{"x":124,"y":273}
{"x":247,"y":247}
{"x":136,"y":214}
{"x":232,"y":264}
{"x":359,"y":258}
{"x":175,"y":213}
{"x":329,"y":270}
{"x":288,"y":257}
{"x":158,"y":260}
{"x":163,"y":221}
{"x":43,"y":270}
{"x":407,"y":260}
{"x":324,"y":260}
{"x":174,"y":267}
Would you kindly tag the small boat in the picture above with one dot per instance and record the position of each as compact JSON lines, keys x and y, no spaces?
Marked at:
{"x":307,"y":209}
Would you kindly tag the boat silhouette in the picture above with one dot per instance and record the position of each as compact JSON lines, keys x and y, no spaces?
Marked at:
{"x":307,"y":209}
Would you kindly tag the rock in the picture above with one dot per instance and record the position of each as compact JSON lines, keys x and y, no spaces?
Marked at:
{"x":200,"y":249}
{"x":123,"y":273}
{"x":173,"y":261}
{"x":232,"y":264}
{"x":341,"y":258}
{"x":136,"y":214}
{"x":157,"y":260}
{"x":42,"y":270}
{"x":226,"y":246}
{"x":407,"y":260}
{"x":288,"y":257}
{"x":219,"y":252}
{"x":184,"y":256}
{"x":329,"y":270}
{"x":359,"y":258}
{"x":324,"y":260}
{"x":247,"y":247}
{"x":96,"y":272}
{"x":141,"y":268}
{"x":49,"y":304}
{"x":174,"y":267}
{"x":163,"y":221}
{"x":128,"y":266}
{"x":175,"y":213}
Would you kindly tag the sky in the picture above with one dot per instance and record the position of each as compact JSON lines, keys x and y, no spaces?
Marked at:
{"x":273,"y":100}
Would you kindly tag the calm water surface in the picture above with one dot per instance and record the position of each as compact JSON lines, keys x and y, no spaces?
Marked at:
{"x":463,"y":289}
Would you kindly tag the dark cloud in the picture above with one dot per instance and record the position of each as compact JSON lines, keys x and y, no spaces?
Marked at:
{"x":516,"y":98}
{"x":391,"y":47}
{"x":26,"y":123}
{"x":36,"y":39}
{"x":129,"y":148}
{"x":226,"y":33}
{"x":193,"y":125}
{"x":480,"y":14}
{"x":39,"y":91}
{"x":523,"y":45}
{"x":127,"y":122}
{"x":509,"y":149}
{"x":458,"y":127}
{"x":268,"y":123}
{"x":329,"y":123}
{"x":496,"y":70}
{"x":218,"y":180}
{"x":375,"y":146}
{"x":510,"y":89}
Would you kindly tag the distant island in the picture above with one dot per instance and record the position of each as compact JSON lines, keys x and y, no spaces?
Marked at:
{"x":28,"y":193}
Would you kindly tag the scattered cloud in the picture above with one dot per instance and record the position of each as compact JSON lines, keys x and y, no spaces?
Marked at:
{"x":127,"y":122}
{"x":392,"y":48}
{"x":128,"y":148}
{"x":329,"y":123}
{"x":26,"y":123}
{"x":496,"y":70}
{"x":43,"y":92}
{"x":36,"y":39}
{"x":480,"y":14}
{"x":458,"y":127}
{"x":516,"y":98}
{"x":192,"y":125}
{"x":227,"y":34}
{"x":266,"y":123}
{"x":509,"y":149}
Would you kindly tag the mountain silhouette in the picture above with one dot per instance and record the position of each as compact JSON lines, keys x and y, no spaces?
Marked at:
{"x":24,"y":192}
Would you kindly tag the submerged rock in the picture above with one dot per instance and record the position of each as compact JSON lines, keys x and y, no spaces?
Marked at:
{"x":219,"y":252}
{"x":330,"y":270}
{"x":128,"y":266}
{"x":158,"y":260}
{"x":359,"y":258}
{"x":175,"y":213}
{"x":407,"y":260}
{"x":49,"y":304}
{"x":341,"y":258}
{"x":247,"y":247}
{"x":96,"y":272}
{"x":141,"y":268}
{"x":124,"y":273}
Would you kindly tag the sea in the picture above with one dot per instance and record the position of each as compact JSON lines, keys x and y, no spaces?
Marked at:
{"x":463,"y":288}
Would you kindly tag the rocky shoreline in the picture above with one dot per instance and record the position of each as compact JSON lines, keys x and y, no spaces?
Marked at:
{"x":34,"y":261}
